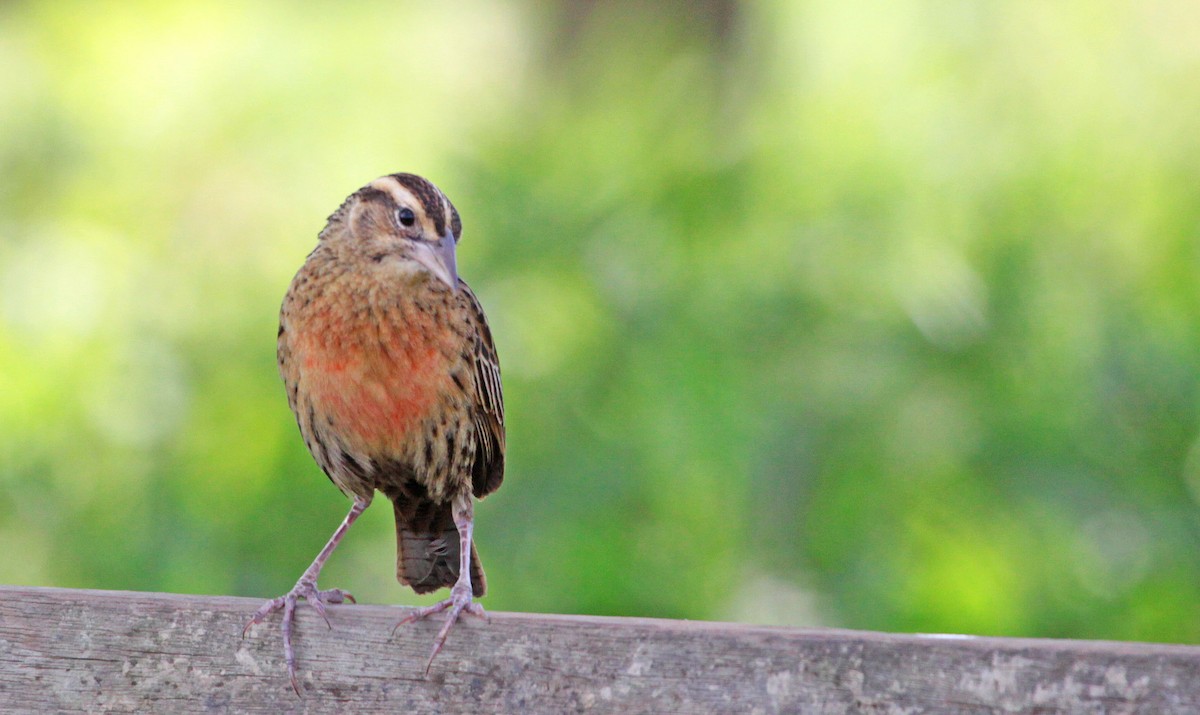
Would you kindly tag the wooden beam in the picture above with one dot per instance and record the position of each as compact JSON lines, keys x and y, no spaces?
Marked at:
{"x":106,"y":651}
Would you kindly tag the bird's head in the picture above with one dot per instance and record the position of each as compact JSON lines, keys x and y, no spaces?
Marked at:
{"x":402,"y":223}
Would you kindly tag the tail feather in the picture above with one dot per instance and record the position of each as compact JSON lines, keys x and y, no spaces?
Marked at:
{"x":427,"y":549}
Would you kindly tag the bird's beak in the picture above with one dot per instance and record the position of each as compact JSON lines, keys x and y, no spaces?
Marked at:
{"x":445,"y":253}
{"x":438,"y":259}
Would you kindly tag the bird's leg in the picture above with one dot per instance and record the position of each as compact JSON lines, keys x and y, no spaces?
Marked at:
{"x":306,"y":588}
{"x":460,"y":593}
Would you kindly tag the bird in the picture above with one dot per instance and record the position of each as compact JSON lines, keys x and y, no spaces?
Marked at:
{"x":392,"y":374}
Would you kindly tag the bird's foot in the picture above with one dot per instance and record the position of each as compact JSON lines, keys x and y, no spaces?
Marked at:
{"x":459,"y":602}
{"x":304,"y":589}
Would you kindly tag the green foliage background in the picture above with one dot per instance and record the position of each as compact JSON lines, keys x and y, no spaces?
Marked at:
{"x":872,"y":315}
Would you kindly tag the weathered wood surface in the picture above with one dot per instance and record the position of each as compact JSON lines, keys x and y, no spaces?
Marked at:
{"x":103,"y":651}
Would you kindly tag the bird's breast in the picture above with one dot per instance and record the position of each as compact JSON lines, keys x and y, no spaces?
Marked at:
{"x":378,"y":370}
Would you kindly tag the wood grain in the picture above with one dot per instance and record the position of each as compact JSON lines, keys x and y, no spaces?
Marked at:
{"x":103,"y":651}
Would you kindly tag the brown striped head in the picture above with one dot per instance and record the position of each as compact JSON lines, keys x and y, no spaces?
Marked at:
{"x":399,"y":220}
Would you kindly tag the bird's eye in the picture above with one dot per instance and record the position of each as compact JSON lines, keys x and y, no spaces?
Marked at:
{"x":406,"y":217}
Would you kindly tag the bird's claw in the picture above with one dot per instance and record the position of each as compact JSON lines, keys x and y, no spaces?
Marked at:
{"x":307,"y":590}
{"x":458,"y":603}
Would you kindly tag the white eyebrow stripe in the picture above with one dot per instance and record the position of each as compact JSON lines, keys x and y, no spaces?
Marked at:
{"x":399,"y":194}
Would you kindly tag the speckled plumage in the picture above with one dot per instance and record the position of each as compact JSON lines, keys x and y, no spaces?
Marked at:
{"x":392,"y":374}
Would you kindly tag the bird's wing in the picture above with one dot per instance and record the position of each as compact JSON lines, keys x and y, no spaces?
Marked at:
{"x":487,"y":471}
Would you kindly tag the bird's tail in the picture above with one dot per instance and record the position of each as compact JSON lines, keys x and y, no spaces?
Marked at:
{"x":427,"y":549}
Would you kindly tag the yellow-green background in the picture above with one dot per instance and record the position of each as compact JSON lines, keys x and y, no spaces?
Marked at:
{"x":879,"y":315}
